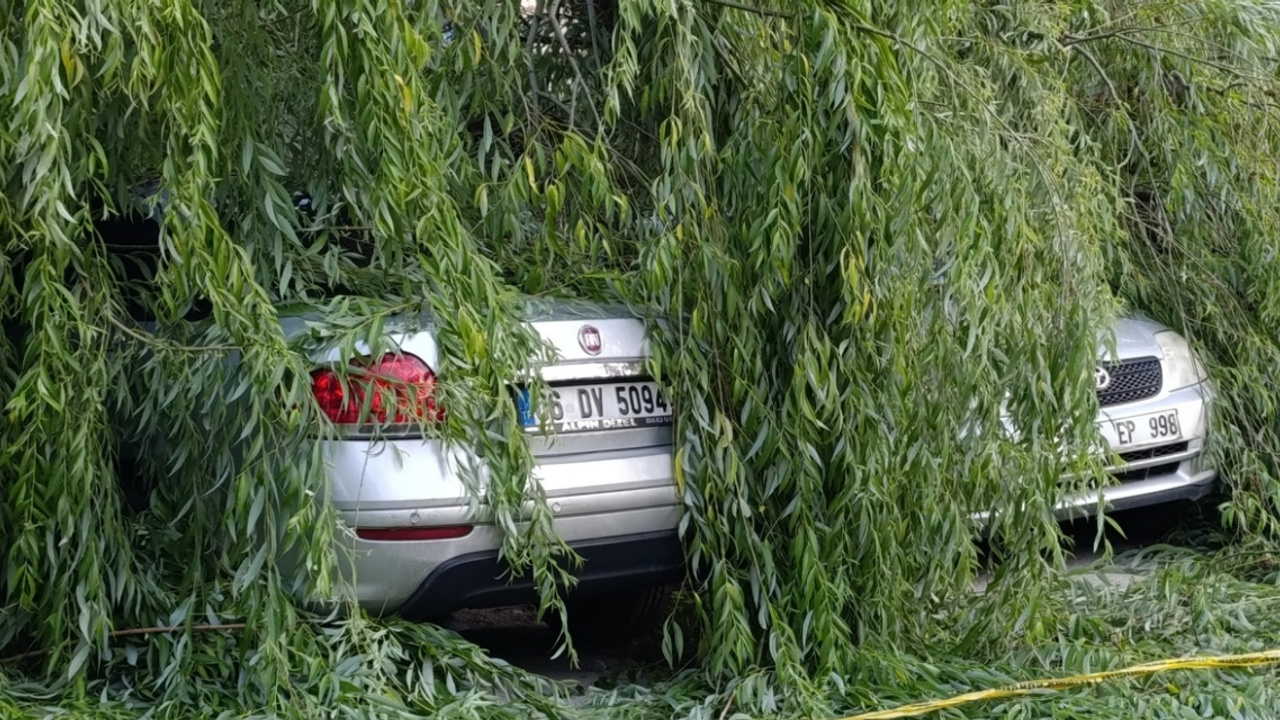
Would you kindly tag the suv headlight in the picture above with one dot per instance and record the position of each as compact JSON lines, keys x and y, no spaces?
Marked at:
{"x":1181,"y":366}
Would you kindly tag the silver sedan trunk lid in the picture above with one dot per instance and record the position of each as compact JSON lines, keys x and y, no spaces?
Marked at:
{"x":602,"y":398}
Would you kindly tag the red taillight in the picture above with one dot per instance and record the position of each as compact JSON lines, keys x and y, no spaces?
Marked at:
{"x":447,"y":532}
{"x":404,"y":381}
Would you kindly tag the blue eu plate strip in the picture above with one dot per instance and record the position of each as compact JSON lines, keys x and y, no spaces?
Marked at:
{"x":523,"y":408}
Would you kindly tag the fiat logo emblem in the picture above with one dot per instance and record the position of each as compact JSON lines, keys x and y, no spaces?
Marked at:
{"x":589,"y":339}
{"x":1102,"y":378}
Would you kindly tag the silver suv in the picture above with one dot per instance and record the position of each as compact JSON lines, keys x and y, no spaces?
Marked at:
{"x":1154,"y":402}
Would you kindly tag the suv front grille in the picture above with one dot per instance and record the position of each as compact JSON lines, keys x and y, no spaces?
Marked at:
{"x":1153,"y":453}
{"x":1131,"y":380}
{"x":1145,"y":473}
{"x":1127,"y":476}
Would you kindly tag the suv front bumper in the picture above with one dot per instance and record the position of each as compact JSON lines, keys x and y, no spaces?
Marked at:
{"x":1156,"y":471}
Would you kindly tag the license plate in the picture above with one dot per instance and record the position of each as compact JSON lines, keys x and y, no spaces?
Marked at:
{"x":1150,"y":429}
{"x":592,"y":408}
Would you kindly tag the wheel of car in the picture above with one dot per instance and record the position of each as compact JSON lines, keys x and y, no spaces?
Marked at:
{"x":616,"y":619}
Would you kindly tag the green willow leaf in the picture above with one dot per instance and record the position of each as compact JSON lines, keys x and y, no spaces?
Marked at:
{"x":859,"y":230}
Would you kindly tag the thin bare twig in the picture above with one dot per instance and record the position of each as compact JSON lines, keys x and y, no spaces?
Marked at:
{"x":886,"y":34}
{"x":1186,"y":56}
{"x":573,"y":63}
{"x":769,"y":12}
{"x":732,"y":696}
{"x":1263,"y":105}
{"x":528,"y":52}
{"x":1228,"y":88}
{"x":131,"y":632}
{"x":555,"y":101}
{"x":1203,"y":41}
{"x":155,"y":342}
{"x":595,"y":42}
{"x":1135,"y":143}
{"x":1126,"y":36}
{"x":1115,"y":94}
{"x":1069,"y":39}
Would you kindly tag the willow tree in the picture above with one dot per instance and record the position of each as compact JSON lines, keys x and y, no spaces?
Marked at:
{"x":861,"y":230}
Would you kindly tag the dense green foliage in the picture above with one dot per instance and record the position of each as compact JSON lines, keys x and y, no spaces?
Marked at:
{"x":866,"y":226}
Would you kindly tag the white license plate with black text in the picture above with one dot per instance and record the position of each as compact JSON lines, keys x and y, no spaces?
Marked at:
{"x":607,"y":406}
{"x":1149,"y":429}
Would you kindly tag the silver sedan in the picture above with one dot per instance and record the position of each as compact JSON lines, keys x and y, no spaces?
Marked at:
{"x":606,"y":466}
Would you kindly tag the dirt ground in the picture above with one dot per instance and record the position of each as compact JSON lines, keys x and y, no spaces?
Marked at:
{"x":515,"y":635}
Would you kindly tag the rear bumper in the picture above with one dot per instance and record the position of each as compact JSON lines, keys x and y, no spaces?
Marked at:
{"x":427,"y":575}
{"x":613,"y":564}
{"x":417,"y":484}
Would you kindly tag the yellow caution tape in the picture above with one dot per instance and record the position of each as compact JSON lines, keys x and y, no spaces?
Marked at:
{"x":1269,"y":657}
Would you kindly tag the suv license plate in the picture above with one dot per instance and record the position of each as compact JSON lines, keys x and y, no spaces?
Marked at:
{"x":1151,"y":429}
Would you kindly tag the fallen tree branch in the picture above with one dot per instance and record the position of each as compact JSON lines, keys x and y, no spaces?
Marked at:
{"x":131,"y":632}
